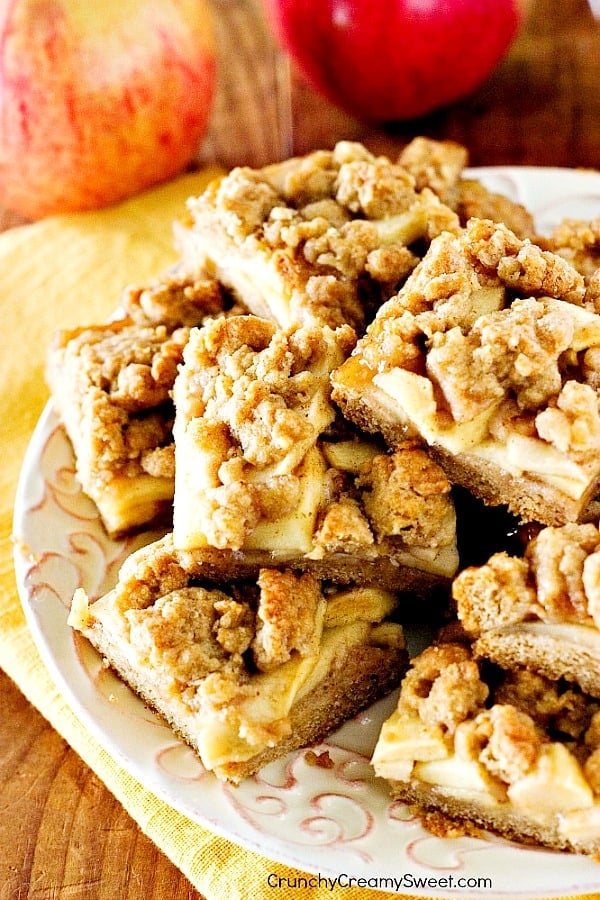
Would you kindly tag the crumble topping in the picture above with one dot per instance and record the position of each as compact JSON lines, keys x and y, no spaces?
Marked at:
{"x":503,"y":739}
{"x":443,"y":686}
{"x":257,"y":383}
{"x":134,"y":366}
{"x":190,"y":628}
{"x":496,"y":594}
{"x":475,"y":201}
{"x":437,"y":165}
{"x":578,"y":242}
{"x":339,"y":227}
{"x":557,"y":580}
{"x":554,"y":706}
{"x":516,"y":350}
{"x":287,"y":618}
{"x":174,"y":300}
{"x":508,"y":723}
{"x":244,"y":201}
{"x":406,"y":495}
{"x":121,"y":376}
{"x":344,"y":528}
{"x":192,"y":631}
{"x":485,"y":253}
{"x":375,"y":188}
{"x":399,"y":499}
{"x":521,"y":264}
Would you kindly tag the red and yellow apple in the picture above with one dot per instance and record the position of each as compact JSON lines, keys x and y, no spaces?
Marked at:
{"x":386,"y":60}
{"x":99,"y":100}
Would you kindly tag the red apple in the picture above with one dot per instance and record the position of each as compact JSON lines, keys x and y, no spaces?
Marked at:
{"x":388,"y":60}
{"x":99,"y":100}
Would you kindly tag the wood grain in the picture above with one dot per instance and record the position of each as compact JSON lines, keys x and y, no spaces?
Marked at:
{"x":62,"y":834}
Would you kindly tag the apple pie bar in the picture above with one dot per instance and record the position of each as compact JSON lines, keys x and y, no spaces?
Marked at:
{"x":266,"y":470}
{"x":333,"y":234}
{"x":541,"y":609}
{"x":326,"y":237}
{"x":489,"y":353}
{"x":111,"y":386}
{"x":243,"y":670}
{"x":471,"y":746}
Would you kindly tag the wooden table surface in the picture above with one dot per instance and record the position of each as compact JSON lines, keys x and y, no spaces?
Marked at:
{"x":62,"y":834}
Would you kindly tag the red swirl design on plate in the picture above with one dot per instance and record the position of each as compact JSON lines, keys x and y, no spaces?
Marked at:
{"x":325,"y":806}
{"x":180,"y":761}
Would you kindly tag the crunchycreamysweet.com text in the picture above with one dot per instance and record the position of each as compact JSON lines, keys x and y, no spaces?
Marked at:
{"x":395,"y":883}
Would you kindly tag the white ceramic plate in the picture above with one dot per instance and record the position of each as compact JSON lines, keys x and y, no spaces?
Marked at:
{"x":338,"y":823}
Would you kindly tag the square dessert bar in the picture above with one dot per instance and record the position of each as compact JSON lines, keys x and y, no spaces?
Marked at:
{"x":243,"y":670}
{"x":489,"y":353}
{"x":111,"y":386}
{"x":266,"y":469}
{"x":541,"y":609}
{"x":471,"y":746}
{"x":331,"y":235}
{"x":327,"y":236}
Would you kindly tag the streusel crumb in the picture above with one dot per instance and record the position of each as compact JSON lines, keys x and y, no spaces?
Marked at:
{"x":174,"y":300}
{"x":475,"y":201}
{"x":121,"y":376}
{"x":288,"y":608}
{"x":501,"y":720}
{"x":578,"y":242}
{"x":334,"y":232}
{"x":437,"y":165}
{"x":443,"y":686}
{"x":556,"y":581}
{"x":406,"y":495}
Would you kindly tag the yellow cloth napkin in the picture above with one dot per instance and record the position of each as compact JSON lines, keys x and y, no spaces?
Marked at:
{"x":69,"y":271}
{"x":63,"y":272}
